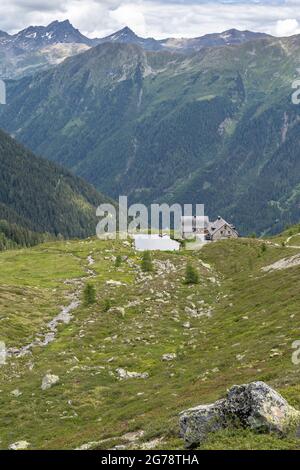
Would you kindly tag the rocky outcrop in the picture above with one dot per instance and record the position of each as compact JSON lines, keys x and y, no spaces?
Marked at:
{"x":256,"y":406}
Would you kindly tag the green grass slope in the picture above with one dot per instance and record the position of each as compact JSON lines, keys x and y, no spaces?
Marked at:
{"x":237,"y":325}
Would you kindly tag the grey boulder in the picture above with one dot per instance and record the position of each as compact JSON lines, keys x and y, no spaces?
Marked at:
{"x":255,"y":406}
{"x":196,"y":423}
{"x":48,"y":381}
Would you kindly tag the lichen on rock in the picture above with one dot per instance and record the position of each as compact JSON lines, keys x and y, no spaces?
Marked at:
{"x":255,"y":406}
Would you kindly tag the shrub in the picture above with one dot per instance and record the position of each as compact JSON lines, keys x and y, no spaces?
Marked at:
{"x":118,"y":261}
{"x":147,"y":262}
{"x":191,"y":275}
{"x":89,"y":294}
{"x":107,"y":305}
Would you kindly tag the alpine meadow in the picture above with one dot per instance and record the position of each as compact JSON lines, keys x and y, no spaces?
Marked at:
{"x":152,"y":330}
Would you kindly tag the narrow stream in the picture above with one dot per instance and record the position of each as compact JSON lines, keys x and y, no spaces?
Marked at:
{"x":64,"y":316}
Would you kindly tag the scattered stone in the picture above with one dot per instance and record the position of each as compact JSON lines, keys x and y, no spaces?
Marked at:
{"x":187,"y":325}
{"x":169,"y":357}
{"x":275,"y":353}
{"x":198,"y":313}
{"x":124,"y":374}
{"x":133,"y":303}
{"x":87,"y":446}
{"x":91,"y":445}
{"x":90,"y":260}
{"x":16,"y":393}
{"x":240,"y":357}
{"x":117,"y":310}
{"x":164,"y":267}
{"x":48,"y":381}
{"x":20,"y":445}
{"x":190,"y":311}
{"x":115,"y":283}
{"x":205,"y":265}
{"x":133,"y":436}
{"x":256,"y":406}
{"x":152,"y":444}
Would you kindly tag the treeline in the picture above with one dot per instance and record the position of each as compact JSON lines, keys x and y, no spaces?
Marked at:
{"x":15,"y":236}
{"x":37,"y":196}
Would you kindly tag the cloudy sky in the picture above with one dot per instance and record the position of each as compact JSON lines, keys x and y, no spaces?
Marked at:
{"x":156,"y":18}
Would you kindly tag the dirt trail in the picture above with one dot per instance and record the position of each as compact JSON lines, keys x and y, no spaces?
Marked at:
{"x":289,"y":239}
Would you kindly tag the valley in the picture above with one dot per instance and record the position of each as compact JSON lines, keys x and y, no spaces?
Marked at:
{"x":216,"y":127}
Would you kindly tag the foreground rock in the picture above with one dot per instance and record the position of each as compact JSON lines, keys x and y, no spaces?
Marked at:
{"x":49,"y":380}
{"x":255,"y":406}
{"x":20,"y":445}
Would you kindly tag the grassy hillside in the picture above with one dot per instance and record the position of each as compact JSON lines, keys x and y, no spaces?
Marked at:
{"x":237,"y":325}
{"x":217,"y":127}
{"x":38,"y":197}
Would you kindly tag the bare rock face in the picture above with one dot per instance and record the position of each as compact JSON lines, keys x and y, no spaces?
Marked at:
{"x":256,"y":406}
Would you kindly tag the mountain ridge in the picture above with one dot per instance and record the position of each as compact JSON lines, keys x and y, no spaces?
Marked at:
{"x":40,"y":47}
{"x":64,"y":31}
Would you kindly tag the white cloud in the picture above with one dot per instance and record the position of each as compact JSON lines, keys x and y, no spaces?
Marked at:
{"x":131,"y":14}
{"x":287,"y":27}
{"x":157,"y":18}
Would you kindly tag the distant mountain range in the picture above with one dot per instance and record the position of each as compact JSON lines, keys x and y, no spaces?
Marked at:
{"x":39,"y":47}
{"x":216,"y":127}
{"x":37,"y":196}
{"x":36,"y":37}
